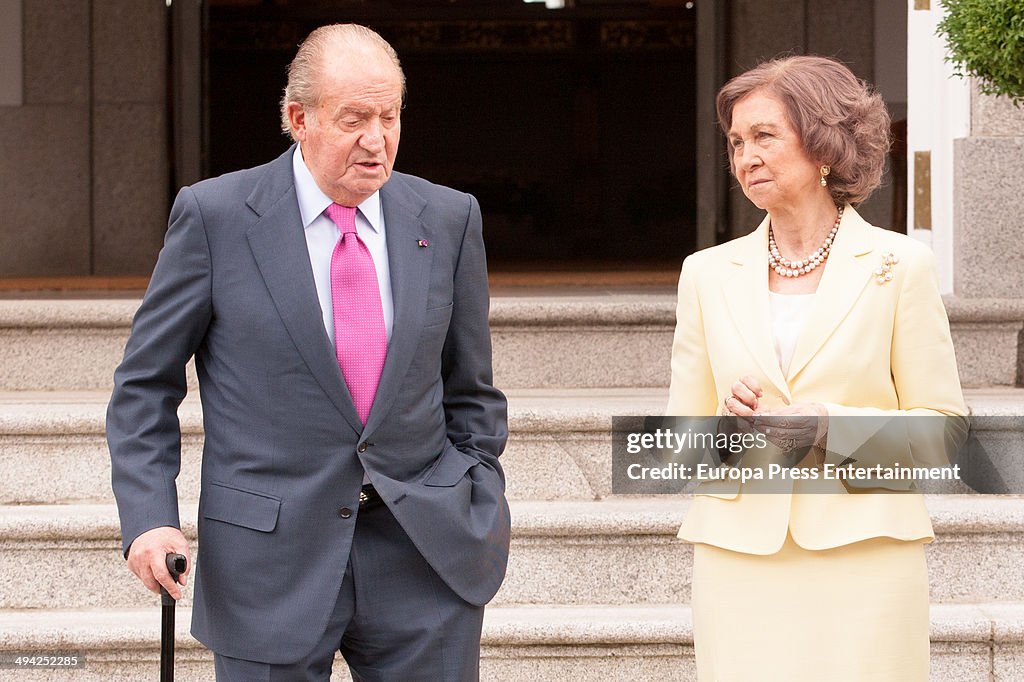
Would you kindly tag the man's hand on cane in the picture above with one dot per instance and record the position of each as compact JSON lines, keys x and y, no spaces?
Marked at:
{"x":147,"y":559}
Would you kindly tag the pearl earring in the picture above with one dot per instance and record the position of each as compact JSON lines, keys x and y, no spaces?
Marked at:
{"x":825,"y":170}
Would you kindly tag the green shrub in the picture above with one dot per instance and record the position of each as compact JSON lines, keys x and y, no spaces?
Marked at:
{"x":985,"y":38}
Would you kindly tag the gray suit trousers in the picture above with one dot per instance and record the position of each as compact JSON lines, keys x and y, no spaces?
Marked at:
{"x":395,"y":619}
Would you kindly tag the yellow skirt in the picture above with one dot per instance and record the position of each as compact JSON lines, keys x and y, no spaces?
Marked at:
{"x":853,"y":613}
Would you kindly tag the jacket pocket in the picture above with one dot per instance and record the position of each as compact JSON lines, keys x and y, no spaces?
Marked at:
{"x":256,"y":511}
{"x":437,"y":316}
{"x":450,"y":468}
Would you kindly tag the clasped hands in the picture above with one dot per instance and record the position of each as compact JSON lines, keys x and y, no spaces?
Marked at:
{"x":799,"y":426}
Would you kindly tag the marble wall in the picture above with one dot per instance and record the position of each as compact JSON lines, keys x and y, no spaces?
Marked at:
{"x":83,"y":160}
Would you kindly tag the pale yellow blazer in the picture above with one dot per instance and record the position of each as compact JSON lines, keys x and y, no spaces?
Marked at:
{"x":867,"y":348}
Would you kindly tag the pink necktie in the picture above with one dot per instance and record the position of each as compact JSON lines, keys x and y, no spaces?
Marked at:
{"x":360,"y":339}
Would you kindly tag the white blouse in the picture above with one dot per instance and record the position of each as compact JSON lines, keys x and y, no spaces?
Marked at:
{"x":789,"y":315}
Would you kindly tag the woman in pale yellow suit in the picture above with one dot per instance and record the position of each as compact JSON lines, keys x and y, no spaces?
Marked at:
{"x":815,"y":313}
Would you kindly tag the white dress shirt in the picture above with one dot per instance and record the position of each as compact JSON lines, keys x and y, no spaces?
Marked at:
{"x":322,"y":236}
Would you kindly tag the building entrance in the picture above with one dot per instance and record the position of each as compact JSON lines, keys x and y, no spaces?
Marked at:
{"x":574,"y":127}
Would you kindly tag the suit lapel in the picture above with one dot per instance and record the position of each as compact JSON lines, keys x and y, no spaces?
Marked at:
{"x":847,"y":272}
{"x":279,"y":247}
{"x":746,"y":297}
{"x":410,"y":279}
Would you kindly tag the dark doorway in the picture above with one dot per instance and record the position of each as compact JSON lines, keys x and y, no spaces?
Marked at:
{"x":574,"y":127}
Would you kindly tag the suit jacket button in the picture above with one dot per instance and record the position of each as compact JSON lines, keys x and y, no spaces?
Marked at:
{"x":363,"y":447}
{"x":345,"y":512}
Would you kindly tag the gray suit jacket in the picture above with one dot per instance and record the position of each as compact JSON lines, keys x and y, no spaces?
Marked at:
{"x":285,"y":450}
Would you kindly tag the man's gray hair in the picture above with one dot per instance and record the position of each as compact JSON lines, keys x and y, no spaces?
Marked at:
{"x":303,"y":72}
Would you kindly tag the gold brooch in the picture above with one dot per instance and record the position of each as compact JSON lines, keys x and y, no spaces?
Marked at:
{"x":884,"y":273}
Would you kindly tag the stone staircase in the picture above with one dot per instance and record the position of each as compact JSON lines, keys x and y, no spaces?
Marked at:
{"x":598,"y":585}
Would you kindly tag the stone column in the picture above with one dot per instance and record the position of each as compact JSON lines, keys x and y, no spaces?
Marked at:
{"x":988,"y":256}
{"x":129,"y":135}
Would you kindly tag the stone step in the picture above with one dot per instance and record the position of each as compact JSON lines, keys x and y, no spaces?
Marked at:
{"x":973,"y":642}
{"x":543,"y":341}
{"x":586,"y":340}
{"x":53,"y":451}
{"x":617,"y":551}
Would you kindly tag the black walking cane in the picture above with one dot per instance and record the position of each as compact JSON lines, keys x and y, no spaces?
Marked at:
{"x":176,"y":565}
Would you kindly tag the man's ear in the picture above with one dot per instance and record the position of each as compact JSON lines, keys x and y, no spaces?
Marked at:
{"x":297,"y":118}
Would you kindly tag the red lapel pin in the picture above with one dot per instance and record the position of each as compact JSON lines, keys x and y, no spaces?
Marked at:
{"x":422,"y":243}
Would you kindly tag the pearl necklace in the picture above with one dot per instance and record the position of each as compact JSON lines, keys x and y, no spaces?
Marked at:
{"x":798,"y":268}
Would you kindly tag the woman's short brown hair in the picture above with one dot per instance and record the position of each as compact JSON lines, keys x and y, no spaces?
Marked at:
{"x":841,"y":120}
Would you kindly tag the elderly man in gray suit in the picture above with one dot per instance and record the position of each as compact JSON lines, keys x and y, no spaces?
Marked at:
{"x":351,"y":494}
